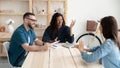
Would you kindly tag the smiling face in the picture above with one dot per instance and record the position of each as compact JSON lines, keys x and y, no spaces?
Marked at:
{"x":31,"y":21}
{"x":59,"y":21}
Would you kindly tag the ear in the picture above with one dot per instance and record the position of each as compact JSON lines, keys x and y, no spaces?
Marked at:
{"x":25,"y":20}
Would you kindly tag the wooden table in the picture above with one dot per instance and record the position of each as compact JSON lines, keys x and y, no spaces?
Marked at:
{"x":4,"y":36}
{"x":58,"y":58}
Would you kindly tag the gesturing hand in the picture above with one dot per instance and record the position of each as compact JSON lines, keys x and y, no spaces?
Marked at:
{"x":72,"y":23}
{"x":71,"y":26}
{"x":80,"y":46}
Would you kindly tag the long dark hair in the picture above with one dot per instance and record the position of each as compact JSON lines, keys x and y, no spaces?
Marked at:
{"x":110,"y":29}
{"x":53,"y":24}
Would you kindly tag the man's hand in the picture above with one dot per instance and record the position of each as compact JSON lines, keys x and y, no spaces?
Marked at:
{"x":45,"y":47}
{"x":38,"y":42}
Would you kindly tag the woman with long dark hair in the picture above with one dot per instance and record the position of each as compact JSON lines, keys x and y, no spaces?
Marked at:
{"x":109,"y":51}
{"x":57,"y":30}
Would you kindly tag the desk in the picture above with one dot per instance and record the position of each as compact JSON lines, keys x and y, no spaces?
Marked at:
{"x":57,"y":58}
{"x":4,"y":36}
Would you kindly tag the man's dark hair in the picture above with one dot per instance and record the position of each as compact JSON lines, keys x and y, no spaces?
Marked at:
{"x":27,"y":14}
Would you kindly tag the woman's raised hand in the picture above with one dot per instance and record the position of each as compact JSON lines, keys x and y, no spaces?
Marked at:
{"x":72,"y":24}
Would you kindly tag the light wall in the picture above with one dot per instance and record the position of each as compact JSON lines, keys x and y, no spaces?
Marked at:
{"x":82,"y":10}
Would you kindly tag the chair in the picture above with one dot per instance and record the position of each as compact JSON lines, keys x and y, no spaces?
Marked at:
{"x":6,"y":47}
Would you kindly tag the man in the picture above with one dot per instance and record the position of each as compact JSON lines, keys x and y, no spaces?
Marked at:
{"x":22,"y":41}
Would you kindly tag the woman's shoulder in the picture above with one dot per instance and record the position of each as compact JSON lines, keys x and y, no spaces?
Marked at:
{"x":48,"y":28}
{"x":109,"y":43}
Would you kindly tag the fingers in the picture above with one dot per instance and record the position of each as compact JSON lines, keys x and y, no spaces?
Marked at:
{"x":46,"y":47}
{"x":56,"y":38}
{"x":72,"y":24}
{"x":76,"y":45}
{"x":74,"y":21}
{"x":81,"y":45}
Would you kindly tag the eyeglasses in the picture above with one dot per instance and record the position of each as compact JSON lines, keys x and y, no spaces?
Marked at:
{"x":32,"y":19}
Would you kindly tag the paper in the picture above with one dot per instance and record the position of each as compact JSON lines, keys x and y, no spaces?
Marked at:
{"x":68,"y":45}
{"x":55,"y":44}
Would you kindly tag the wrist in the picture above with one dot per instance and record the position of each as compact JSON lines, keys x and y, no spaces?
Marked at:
{"x":81,"y":50}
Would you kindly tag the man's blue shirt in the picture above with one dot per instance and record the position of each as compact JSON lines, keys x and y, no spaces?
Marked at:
{"x":20,"y":36}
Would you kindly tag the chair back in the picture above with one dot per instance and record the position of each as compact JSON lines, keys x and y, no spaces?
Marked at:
{"x":6,"y":47}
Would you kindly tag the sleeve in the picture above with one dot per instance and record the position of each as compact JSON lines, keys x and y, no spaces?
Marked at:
{"x":100,"y":52}
{"x":46,"y":36}
{"x":33,"y":34}
{"x":21,"y":38}
{"x":94,"y":48}
{"x":69,"y":38}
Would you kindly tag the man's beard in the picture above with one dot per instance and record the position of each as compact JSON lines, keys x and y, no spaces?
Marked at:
{"x":29,"y":25}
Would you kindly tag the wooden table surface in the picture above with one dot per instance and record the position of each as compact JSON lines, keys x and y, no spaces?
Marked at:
{"x":5,"y":36}
{"x":58,"y":58}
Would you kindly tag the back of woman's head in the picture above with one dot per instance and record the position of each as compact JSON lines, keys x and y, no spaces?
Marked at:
{"x":53,"y":22}
{"x":110,"y":28}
